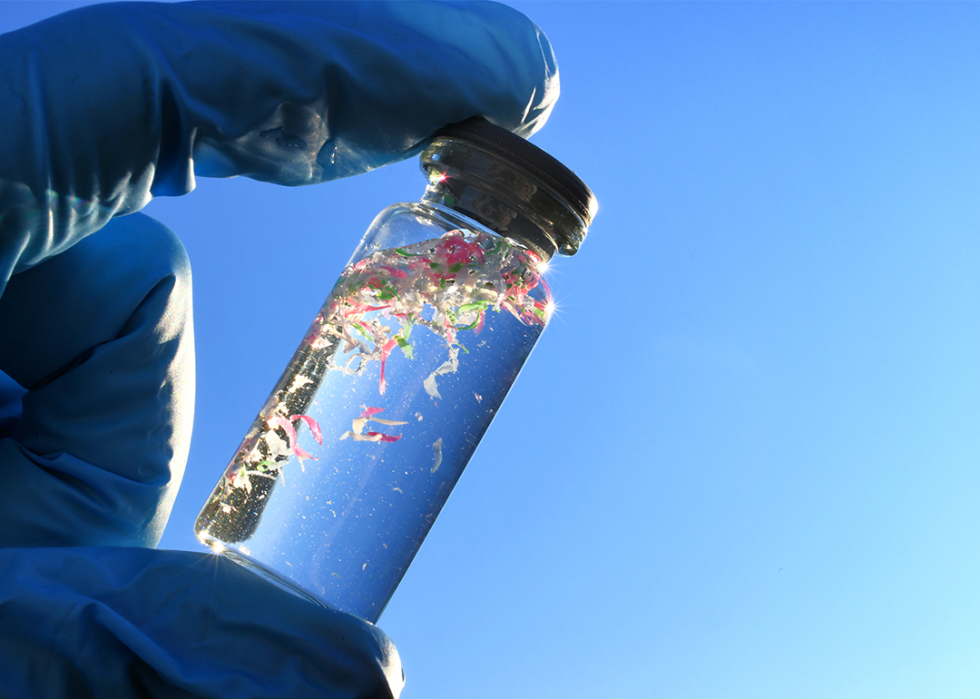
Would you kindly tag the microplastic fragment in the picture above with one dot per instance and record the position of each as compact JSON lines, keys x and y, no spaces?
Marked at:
{"x":299,"y":381}
{"x":448,"y":367}
{"x":358,"y":424}
{"x":374,"y":307}
{"x":436,"y":455}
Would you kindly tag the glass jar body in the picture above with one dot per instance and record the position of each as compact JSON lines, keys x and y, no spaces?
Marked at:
{"x":349,"y":462}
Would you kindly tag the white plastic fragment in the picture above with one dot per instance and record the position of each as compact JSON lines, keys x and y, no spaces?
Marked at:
{"x":436,"y":455}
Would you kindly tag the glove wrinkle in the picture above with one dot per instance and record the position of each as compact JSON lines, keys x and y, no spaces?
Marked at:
{"x":123,"y":102}
{"x":98,"y":622}
{"x":147,"y":684}
{"x":104,"y":429}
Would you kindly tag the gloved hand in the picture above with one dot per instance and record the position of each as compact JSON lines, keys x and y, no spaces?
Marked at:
{"x":100,"y":110}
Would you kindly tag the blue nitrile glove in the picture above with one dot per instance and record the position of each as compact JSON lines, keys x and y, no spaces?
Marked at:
{"x":100,"y":110}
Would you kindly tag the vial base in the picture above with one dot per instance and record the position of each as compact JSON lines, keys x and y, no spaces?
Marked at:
{"x":261,"y":570}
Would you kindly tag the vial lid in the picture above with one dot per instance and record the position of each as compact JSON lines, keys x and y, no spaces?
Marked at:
{"x":536,"y":162}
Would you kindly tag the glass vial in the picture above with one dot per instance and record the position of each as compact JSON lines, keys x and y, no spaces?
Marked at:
{"x":355,"y":452}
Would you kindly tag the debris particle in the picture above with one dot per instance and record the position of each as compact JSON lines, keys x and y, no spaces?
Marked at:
{"x":448,"y":367}
{"x":299,"y":381}
{"x":367,"y":416}
{"x":436,"y":455}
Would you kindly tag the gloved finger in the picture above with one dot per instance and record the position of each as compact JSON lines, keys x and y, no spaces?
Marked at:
{"x":135,"y":623}
{"x":101,"y":339}
{"x":119,"y":103}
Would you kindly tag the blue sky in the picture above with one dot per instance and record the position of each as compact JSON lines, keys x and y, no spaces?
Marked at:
{"x":743,"y":459}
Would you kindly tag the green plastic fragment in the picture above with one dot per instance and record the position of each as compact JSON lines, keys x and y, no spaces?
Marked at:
{"x":475,"y":306}
{"x":404,"y":346}
{"x":361,"y":329}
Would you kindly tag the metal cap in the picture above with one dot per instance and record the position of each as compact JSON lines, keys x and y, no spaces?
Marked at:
{"x":534,"y":161}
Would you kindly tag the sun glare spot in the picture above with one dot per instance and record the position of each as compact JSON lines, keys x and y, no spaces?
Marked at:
{"x":550,"y":309}
{"x":214,"y":545}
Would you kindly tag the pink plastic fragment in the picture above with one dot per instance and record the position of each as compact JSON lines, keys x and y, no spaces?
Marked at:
{"x":302,"y":453}
{"x":315,"y":330}
{"x":278,"y":421}
{"x":312,"y":424}
{"x":291,"y":441}
{"x":385,"y":351}
{"x":359,"y":423}
{"x":458,"y":250}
